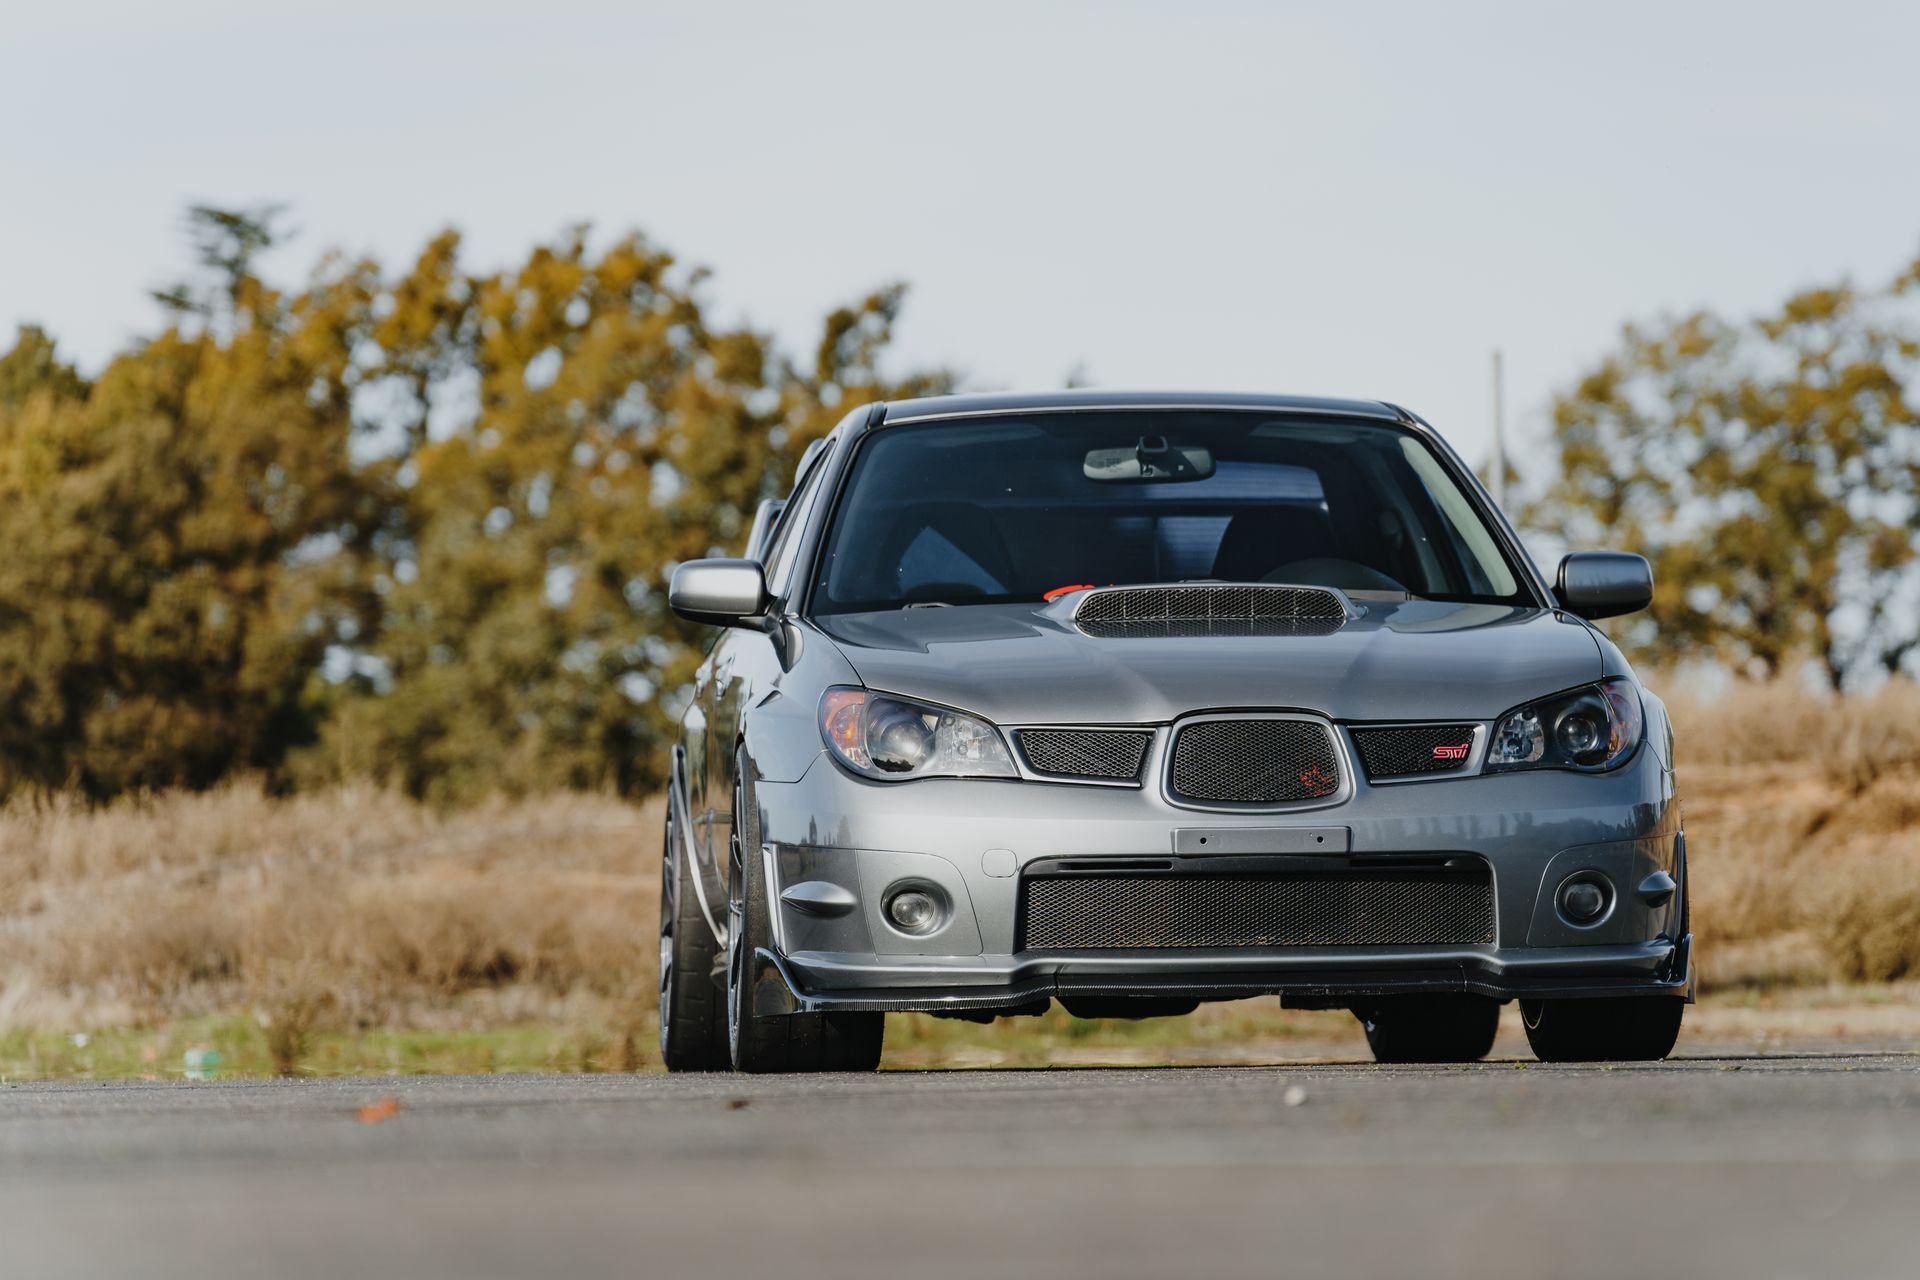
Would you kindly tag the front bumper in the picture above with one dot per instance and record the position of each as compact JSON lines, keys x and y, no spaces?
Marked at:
{"x":834,"y":845}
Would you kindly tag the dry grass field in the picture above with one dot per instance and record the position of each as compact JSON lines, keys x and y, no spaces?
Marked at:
{"x":351,"y":910}
{"x":357,"y":930}
{"x":1803,"y":830}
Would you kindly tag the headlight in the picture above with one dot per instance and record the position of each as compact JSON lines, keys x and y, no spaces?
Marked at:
{"x":1588,"y":729}
{"x":879,"y":736}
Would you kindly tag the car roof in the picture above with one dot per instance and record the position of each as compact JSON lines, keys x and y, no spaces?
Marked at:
{"x":966,"y":406}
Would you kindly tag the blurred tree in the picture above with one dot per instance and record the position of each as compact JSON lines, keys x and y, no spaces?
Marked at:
{"x":561,"y":435}
{"x":225,"y":244}
{"x":417,"y":528}
{"x":180,"y":540}
{"x":1771,"y":472}
{"x":32,"y":368}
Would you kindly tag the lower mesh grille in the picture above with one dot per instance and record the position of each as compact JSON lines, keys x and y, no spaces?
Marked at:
{"x":1255,"y":761}
{"x":1429,"y":907}
{"x":1403,"y":751}
{"x":1086,"y":753}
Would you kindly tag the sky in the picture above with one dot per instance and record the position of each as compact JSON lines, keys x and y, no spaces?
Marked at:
{"x":1362,"y":200}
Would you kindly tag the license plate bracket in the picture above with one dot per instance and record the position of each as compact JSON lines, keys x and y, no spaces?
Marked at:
{"x":1240,"y":841}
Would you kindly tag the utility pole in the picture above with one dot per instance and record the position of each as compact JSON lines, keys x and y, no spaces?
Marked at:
{"x":1499,"y":437}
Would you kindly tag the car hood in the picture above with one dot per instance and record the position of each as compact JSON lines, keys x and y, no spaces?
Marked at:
{"x":1028,"y":664}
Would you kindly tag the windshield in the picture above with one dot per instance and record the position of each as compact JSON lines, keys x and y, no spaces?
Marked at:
{"x":993,"y":510}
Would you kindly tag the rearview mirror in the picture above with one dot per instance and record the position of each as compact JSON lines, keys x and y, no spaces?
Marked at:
{"x":722,"y":592}
{"x":1149,"y":460}
{"x":1603,"y":584}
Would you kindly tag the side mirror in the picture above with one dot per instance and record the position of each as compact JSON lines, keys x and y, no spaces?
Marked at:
{"x":1602,"y":584}
{"x":722,"y":592}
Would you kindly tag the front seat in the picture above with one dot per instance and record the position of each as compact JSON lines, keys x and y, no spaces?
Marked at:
{"x":970,"y":547}
{"x":1260,"y":541}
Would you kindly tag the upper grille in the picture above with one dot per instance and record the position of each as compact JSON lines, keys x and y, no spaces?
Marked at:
{"x":1433,"y":906}
{"x":1210,"y":610}
{"x":1255,"y":761}
{"x":1086,"y":753}
{"x":1406,"y":750}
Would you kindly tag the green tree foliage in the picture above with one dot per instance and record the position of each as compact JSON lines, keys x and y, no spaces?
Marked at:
{"x":1769,"y":469}
{"x":32,"y":368}
{"x":180,"y":537}
{"x":416,"y":527}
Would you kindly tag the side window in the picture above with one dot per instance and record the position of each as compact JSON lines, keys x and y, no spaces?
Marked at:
{"x":1470,"y":539}
{"x":793,"y":521}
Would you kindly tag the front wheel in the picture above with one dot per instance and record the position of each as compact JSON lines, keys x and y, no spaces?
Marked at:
{"x":1608,"y":1029}
{"x":791,"y":1042}
{"x":1436,"y":1028}
{"x":692,"y":1037}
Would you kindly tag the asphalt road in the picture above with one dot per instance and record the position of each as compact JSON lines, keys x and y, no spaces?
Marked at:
{"x":1799,"y":1166}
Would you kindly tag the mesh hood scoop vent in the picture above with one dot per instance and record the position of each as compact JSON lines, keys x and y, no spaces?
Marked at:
{"x":1208,"y":609}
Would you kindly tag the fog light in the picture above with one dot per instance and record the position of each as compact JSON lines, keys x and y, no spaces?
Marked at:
{"x":914,"y":911}
{"x":1583,"y":901}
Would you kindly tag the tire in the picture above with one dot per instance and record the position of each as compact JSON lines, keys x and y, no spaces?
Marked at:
{"x":1611,"y":1029}
{"x":794,"y":1042}
{"x":1436,"y":1028}
{"x":693,"y":1033}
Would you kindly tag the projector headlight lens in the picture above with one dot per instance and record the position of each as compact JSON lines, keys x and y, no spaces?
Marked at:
{"x":880,"y":736}
{"x":1589,"y":730}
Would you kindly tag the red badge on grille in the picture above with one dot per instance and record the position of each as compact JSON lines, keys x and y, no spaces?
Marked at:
{"x":1451,"y":753}
{"x":1317,"y":781}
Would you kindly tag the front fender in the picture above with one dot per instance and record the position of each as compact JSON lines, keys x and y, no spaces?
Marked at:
{"x":781,"y":723}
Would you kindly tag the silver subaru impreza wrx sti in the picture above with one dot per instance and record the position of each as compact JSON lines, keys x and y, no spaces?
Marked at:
{"x":1133,"y":701}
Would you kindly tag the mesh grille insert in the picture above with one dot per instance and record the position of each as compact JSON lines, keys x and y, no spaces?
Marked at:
{"x":1255,"y":761}
{"x":1408,"y":750}
{"x":1209,"y":610}
{"x":1086,"y":753}
{"x":1347,"y":908}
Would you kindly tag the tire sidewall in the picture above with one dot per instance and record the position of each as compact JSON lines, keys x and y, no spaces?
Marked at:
{"x":692,"y":1035}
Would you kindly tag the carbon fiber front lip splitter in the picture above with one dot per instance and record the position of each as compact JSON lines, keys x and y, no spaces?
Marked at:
{"x":1665,"y":972}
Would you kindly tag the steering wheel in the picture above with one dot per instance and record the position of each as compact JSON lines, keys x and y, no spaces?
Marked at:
{"x":925,"y":591}
{"x":1331,"y":571}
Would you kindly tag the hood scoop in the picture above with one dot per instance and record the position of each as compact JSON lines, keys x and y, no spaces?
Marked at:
{"x":1210,"y":609}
